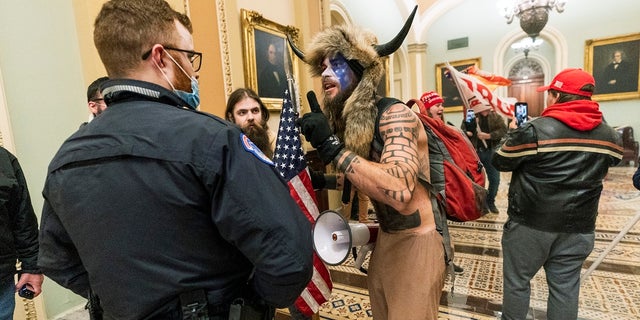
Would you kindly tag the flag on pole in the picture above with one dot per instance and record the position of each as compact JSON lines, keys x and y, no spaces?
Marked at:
{"x":290,"y":162}
{"x":475,"y":92}
{"x":491,"y":80}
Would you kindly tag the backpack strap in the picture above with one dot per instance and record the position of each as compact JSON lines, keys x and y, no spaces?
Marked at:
{"x":383,"y":104}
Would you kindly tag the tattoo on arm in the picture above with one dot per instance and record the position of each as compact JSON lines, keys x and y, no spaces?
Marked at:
{"x":399,"y":130}
{"x":345,"y":165}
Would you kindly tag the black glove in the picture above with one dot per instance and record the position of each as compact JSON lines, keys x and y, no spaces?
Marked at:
{"x":471,"y":126}
{"x":316,"y":130}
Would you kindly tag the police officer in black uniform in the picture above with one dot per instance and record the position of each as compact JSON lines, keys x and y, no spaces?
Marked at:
{"x":163,"y":211}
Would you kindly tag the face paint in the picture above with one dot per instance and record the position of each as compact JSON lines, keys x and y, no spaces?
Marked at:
{"x":341,"y":69}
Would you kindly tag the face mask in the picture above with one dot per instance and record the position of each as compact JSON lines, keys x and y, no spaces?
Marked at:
{"x":192,"y":99}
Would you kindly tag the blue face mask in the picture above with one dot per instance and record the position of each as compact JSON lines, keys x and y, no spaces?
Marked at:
{"x":191,"y":98}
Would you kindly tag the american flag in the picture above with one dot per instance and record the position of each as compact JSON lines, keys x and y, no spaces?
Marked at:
{"x":290,"y":162}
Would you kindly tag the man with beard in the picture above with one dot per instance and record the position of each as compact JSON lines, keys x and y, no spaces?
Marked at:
{"x":407,"y":267}
{"x":245,"y":109}
{"x":95,"y":101}
{"x":149,"y":205}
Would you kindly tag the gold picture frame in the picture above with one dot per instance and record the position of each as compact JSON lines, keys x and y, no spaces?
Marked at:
{"x":614,"y":82}
{"x":446,"y":88}
{"x":263,"y":43}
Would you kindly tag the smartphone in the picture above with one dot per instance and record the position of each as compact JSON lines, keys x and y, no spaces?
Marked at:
{"x":522,"y":113}
{"x":25,"y":292}
{"x":470,"y":115}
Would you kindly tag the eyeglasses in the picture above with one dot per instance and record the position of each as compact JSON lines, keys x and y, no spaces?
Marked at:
{"x":194,"y":57}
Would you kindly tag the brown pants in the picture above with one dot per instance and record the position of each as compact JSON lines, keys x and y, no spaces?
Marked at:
{"x":363,"y":206}
{"x":406,"y":276}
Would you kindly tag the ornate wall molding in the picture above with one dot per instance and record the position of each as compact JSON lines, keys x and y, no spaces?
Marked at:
{"x":223,"y":34}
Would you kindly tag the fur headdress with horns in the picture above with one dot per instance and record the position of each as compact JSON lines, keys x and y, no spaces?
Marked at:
{"x":356,"y":124}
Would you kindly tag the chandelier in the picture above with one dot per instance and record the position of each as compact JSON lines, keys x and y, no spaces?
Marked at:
{"x":526,"y":45}
{"x":533,"y":14}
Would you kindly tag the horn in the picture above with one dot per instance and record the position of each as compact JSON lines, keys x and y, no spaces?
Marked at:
{"x":393,"y":45}
{"x":295,"y":49}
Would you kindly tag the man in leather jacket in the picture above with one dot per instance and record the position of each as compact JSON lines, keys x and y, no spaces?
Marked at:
{"x":18,"y":235}
{"x":149,"y":205}
{"x":558,"y":162}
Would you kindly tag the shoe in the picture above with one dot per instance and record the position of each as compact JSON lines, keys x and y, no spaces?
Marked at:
{"x":457,"y":268}
{"x":493,"y":208}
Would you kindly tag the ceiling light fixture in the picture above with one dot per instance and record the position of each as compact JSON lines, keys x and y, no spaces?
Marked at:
{"x":533,"y":14}
{"x":525,"y":45}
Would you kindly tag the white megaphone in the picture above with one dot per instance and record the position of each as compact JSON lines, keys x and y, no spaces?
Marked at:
{"x":333,"y":238}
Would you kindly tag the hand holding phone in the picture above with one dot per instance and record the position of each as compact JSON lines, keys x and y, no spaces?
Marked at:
{"x":522,"y":113}
{"x":25,"y":292}
{"x":470,"y":115}
{"x":470,"y":122}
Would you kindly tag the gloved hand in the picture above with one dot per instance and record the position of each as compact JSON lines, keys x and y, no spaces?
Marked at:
{"x":471,"y":126}
{"x":316,"y":130}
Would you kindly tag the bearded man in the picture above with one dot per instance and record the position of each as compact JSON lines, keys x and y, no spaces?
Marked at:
{"x":407,"y":267}
{"x":246,"y":110}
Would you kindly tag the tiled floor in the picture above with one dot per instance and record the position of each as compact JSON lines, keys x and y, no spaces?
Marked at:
{"x":612,"y":291}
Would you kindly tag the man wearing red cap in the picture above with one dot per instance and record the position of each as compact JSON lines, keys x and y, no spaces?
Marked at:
{"x":557,"y":162}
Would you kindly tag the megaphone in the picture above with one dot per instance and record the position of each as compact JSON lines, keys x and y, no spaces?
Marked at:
{"x":333,"y":238}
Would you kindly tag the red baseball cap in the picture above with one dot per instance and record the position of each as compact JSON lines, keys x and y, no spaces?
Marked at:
{"x":430,"y":99}
{"x":570,"y":81}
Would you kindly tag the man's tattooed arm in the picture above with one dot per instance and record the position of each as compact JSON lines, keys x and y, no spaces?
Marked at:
{"x":393,"y":180}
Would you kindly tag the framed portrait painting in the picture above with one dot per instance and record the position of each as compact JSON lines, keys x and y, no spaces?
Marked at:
{"x":268,"y":59}
{"x":614,"y":62}
{"x":446,"y":88}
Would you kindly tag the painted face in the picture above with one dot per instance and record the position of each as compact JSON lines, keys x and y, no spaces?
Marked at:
{"x":247,"y":113}
{"x":337,"y":75}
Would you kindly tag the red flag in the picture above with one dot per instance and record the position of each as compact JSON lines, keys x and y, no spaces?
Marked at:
{"x":489,"y":79}
{"x":290,"y":162}
{"x":475,"y":92}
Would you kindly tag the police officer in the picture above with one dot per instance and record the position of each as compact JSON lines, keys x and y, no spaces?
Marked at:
{"x":149,"y":203}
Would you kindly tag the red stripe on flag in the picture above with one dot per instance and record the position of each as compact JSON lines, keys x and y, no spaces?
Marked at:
{"x":290,"y":162}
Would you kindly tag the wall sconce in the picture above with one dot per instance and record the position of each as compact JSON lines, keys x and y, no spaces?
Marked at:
{"x":533,"y":14}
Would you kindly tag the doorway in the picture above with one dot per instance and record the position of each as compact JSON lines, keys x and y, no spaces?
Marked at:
{"x":526,"y":76}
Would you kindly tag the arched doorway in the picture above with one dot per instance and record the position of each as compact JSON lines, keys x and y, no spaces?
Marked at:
{"x":526,"y":76}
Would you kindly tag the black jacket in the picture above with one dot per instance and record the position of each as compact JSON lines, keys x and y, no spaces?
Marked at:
{"x":18,"y":222}
{"x":497,"y":128}
{"x":557,"y":170}
{"x":150,"y":200}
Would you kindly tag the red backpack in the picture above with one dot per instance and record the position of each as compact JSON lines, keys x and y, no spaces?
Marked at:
{"x":457,"y":174}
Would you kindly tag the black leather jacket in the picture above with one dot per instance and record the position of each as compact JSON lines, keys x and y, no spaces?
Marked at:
{"x":18,"y":223}
{"x":557,"y":173}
